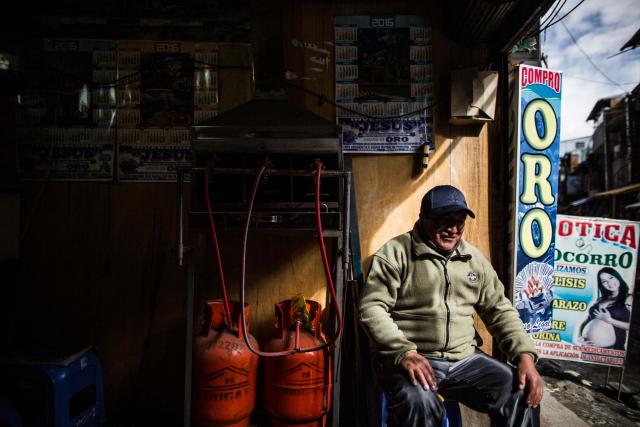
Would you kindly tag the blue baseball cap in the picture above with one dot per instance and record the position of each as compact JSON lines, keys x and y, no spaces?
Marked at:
{"x":444,"y":199}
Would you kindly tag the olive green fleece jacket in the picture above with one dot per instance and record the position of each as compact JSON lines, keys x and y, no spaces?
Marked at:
{"x":417,"y":299}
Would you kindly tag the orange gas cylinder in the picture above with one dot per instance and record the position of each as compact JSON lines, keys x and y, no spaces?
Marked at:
{"x":297,"y":387}
{"x":224,"y":370}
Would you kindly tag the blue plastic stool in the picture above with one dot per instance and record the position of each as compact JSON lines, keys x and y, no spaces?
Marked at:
{"x":59,"y":392}
{"x":9,"y":414}
{"x":452,"y":416}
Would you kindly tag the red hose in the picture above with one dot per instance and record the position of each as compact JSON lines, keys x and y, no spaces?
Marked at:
{"x":245,"y":335}
{"x":244,"y":258}
{"x":216,"y":247}
{"x":323,"y":251}
{"x":326,"y":267}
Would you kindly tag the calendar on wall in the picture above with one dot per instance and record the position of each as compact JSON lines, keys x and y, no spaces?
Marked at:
{"x":383,"y":83}
{"x":66,"y":113}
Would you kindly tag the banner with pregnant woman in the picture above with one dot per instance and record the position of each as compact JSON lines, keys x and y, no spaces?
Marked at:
{"x":593,"y":282}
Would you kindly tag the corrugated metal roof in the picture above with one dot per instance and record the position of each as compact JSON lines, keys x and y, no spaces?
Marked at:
{"x":600,"y":104}
{"x":632,"y":42}
{"x":494,"y":22}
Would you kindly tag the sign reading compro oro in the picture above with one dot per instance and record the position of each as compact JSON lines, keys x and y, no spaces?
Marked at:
{"x":536,"y":134}
{"x":593,"y":282}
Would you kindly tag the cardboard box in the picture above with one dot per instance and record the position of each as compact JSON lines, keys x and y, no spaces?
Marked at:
{"x":473,"y":96}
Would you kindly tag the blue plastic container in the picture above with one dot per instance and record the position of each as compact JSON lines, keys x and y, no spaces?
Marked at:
{"x":9,"y":414}
{"x":58,"y":392}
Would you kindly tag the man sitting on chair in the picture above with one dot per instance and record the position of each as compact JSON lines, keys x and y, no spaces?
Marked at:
{"x":417,"y":307}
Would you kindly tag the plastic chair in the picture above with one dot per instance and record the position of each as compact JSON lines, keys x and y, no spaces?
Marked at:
{"x":9,"y":414}
{"x":452,"y":416}
{"x":61,"y":391}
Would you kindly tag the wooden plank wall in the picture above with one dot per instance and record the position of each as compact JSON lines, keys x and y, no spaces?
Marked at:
{"x":387,"y":192}
{"x":98,"y":267}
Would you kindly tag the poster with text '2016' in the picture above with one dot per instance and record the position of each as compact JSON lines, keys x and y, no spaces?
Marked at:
{"x":165,"y":88}
{"x":65,"y":116}
{"x":593,"y":283}
{"x":383,"y":74}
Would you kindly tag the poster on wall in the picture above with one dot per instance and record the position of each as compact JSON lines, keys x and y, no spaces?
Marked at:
{"x":65,"y":128}
{"x":537,"y":138}
{"x":66,"y":154}
{"x":147,"y":155}
{"x":594,"y":280}
{"x":383,"y":68}
{"x":165,"y":88}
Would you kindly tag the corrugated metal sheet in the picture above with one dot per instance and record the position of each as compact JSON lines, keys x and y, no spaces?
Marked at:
{"x":474,"y":22}
{"x":633,"y":41}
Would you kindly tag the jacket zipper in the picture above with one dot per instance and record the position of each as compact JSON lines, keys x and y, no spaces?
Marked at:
{"x":447,"y":285}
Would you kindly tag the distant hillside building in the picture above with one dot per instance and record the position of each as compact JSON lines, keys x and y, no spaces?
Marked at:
{"x":573,"y":153}
{"x":580,"y":147}
{"x":614,"y":149}
{"x":607,"y":182}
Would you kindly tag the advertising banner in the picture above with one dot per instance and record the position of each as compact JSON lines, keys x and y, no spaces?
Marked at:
{"x":384,"y":69}
{"x":389,"y":136}
{"x":537,"y":140}
{"x":595,"y":271}
{"x":152,"y":155}
{"x":66,"y":154}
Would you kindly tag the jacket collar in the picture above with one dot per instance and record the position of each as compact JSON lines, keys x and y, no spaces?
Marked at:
{"x":420,"y":247}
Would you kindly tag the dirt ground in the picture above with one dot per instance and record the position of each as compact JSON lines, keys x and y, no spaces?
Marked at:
{"x":581,"y":388}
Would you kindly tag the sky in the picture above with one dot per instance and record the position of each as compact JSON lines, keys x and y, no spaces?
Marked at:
{"x":601,"y":28}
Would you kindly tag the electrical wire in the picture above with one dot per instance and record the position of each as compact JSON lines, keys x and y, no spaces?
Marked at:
{"x":600,"y":82}
{"x":126,"y":79}
{"x":552,"y":15}
{"x":590,"y":60}
{"x":536,"y":32}
{"x":137,"y":77}
{"x":322,"y":98}
{"x":121,"y":79}
{"x":224,"y":67}
{"x":563,"y":16}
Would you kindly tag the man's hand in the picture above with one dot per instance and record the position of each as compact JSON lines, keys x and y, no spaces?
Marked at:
{"x":419,"y":370}
{"x":529,"y":377}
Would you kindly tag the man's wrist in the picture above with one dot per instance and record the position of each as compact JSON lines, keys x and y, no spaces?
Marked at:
{"x":405,"y":354}
{"x":526,"y":355}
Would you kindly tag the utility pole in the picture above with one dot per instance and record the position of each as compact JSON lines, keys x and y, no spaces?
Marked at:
{"x":627,"y":134}
{"x":605,"y":113}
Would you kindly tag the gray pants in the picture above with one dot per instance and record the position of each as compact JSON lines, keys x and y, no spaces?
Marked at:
{"x":479,"y":381}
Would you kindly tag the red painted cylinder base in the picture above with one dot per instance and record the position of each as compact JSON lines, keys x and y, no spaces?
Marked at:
{"x":297,"y":387}
{"x":224,"y":371}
